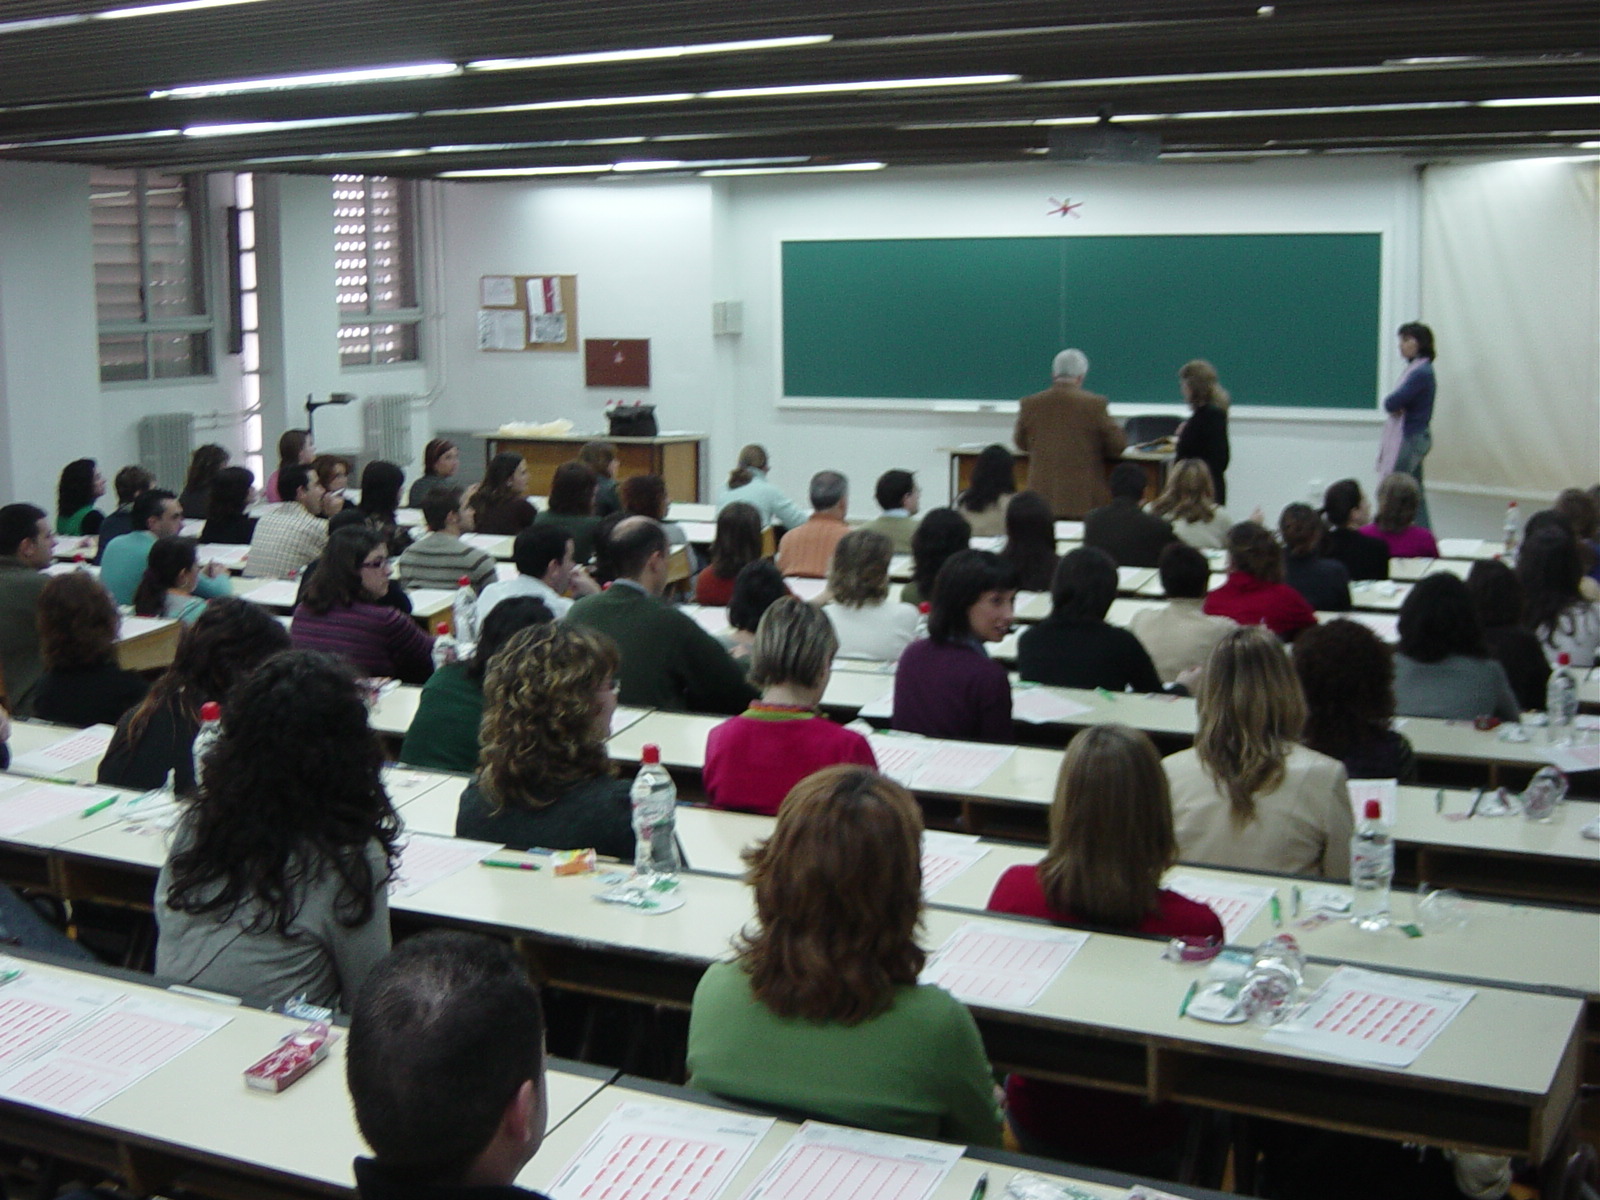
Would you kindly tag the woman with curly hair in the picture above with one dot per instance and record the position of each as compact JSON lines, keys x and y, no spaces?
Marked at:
{"x":80,"y":485}
{"x":1399,"y":499}
{"x":1189,"y":505}
{"x":821,"y":1012}
{"x":736,"y":544}
{"x":500,"y":504}
{"x":343,"y":611}
{"x":867,"y":623}
{"x":1248,"y":794}
{"x":543,"y":775}
{"x":1031,"y":541}
{"x":82,"y":684}
{"x":1443,"y":668}
{"x":1254,"y":592}
{"x":277,"y":882}
{"x":941,"y":533}
{"x":231,"y":638}
{"x":1347,"y":674}
{"x":1111,"y":841}
{"x":994,"y":482}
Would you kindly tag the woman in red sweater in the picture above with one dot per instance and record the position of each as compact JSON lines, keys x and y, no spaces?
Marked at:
{"x":753,"y":760}
{"x":1254,"y":592}
{"x":736,"y":544}
{"x":1111,"y":841}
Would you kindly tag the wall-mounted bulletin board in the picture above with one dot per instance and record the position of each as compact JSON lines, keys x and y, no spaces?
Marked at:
{"x":528,"y":312}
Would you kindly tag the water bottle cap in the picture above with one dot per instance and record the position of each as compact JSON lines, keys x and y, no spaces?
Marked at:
{"x":1373,"y":811}
{"x":1563,"y":659}
{"x":211,"y":711}
{"x":442,"y":628}
{"x":464,"y":581}
{"x":652,"y":754}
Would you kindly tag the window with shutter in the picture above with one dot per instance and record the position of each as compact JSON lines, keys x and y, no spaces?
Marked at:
{"x":149,"y":275}
{"x":375,"y":259}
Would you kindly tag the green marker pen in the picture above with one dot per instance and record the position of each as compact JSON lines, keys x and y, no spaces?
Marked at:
{"x":1188,"y":996}
{"x":100,"y":805}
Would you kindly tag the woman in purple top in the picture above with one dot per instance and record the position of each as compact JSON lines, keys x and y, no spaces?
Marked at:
{"x":947,"y":685}
{"x":1399,"y":498}
{"x":1412,"y":398}
{"x":339,"y":612}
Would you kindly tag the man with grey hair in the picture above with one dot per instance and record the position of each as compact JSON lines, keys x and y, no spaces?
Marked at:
{"x":1070,"y":438}
{"x":809,"y":549}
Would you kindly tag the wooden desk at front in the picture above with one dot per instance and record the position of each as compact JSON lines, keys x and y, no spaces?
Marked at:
{"x":677,"y":457}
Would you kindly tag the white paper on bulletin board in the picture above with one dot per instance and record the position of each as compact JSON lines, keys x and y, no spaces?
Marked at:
{"x":502,"y":329}
{"x":497,"y":291}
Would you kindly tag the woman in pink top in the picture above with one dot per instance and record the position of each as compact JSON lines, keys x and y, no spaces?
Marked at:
{"x":1399,"y":497}
{"x":1111,"y":841}
{"x":753,"y":760}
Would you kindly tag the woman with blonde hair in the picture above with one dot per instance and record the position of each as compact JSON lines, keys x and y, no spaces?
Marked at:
{"x":544,"y":778}
{"x":821,"y":1012}
{"x":1399,"y":498}
{"x":1248,"y":794}
{"x":1205,"y":434}
{"x":748,"y":483}
{"x":867,"y":623}
{"x":1111,"y":841}
{"x":1189,"y":505}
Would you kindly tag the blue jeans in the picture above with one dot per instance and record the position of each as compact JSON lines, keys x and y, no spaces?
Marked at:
{"x":1414,"y":448}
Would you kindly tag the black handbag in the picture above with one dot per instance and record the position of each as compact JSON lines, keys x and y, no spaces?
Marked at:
{"x":632,"y":420}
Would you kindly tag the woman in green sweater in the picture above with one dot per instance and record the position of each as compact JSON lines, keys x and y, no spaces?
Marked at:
{"x":443,"y":735}
{"x":821,"y":1012}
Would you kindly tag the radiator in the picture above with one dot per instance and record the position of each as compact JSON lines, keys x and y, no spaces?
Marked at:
{"x":387,"y":425}
{"x":165,"y":443}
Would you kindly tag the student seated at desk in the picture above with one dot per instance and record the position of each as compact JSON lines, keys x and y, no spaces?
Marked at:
{"x":82,"y":684}
{"x":736,"y":544}
{"x":1254,"y":592}
{"x":1179,"y":637}
{"x":940,"y":534}
{"x":821,"y":1012}
{"x":443,"y":735}
{"x":1248,"y":795}
{"x":227,"y":510}
{"x":204,"y":464}
{"x":1399,"y":498}
{"x":380,"y":504}
{"x":1443,"y":668}
{"x":747,"y":484}
{"x":441,"y":459}
{"x":571,"y":507}
{"x":1129,"y":534}
{"x":1031,"y":541}
{"x":231,"y":638}
{"x":342,"y":612}
{"x":1347,"y":675}
{"x":79,"y":486}
{"x":1346,"y":511}
{"x":1560,"y":615}
{"x":170,"y":575}
{"x":1324,"y":582}
{"x":899,"y":498}
{"x":155,"y":514}
{"x":440,"y":559}
{"x":1189,"y":505}
{"x":500,"y":504}
{"x":867,"y":623}
{"x":1075,"y":646}
{"x":985,"y":500}
{"x":947,"y":685}
{"x":753,"y":760}
{"x":445,"y":1067}
{"x":1497,"y":595}
{"x":758,"y":587}
{"x":277,"y":882}
{"x":646,"y":496}
{"x":544,"y":777}
{"x":1111,"y":841}
{"x":130,"y":483}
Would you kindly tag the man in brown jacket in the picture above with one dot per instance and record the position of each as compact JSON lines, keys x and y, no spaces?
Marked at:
{"x":1070,"y":437}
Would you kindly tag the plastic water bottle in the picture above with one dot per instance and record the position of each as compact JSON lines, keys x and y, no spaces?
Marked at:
{"x":206,"y":736}
{"x":655,"y":819}
{"x":464,"y":615}
{"x":1513,"y":529}
{"x":445,"y":648}
{"x":1561,"y":702}
{"x":1275,"y":976}
{"x":1371,"y":870}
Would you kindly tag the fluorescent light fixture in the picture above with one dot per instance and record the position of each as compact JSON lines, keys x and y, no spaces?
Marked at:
{"x":170,"y":6}
{"x":1191,"y":154}
{"x":646,"y":53}
{"x":339,"y":156}
{"x":1073,"y":120}
{"x":517,"y":172}
{"x":859,"y":85}
{"x":1537,"y":101}
{"x":671,"y":164}
{"x":245,"y":127}
{"x":810,"y":170}
{"x":1589,"y":145}
{"x":552,"y":105}
{"x":109,"y":137}
{"x":32,"y":23}
{"x":561,"y":144}
{"x":281,"y":83}
{"x":1316,"y":110}
{"x":1022,"y":123}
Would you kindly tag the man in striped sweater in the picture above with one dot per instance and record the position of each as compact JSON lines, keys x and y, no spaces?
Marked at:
{"x":440,"y":558}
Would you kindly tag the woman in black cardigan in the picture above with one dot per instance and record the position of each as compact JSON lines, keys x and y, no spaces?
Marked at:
{"x":1205,"y":434}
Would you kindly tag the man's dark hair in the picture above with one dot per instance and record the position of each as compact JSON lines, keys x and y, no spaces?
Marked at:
{"x":1185,"y":573}
{"x":1127,"y":481}
{"x":511,"y":615}
{"x":632,"y":543}
{"x":1084,"y":586}
{"x":445,"y":1031}
{"x":537,"y":546}
{"x":130,"y":481}
{"x":148,"y":505}
{"x":19,"y":523}
{"x":438,"y":504}
{"x":893,"y":488}
{"x":758,"y":586}
{"x":293,"y":479}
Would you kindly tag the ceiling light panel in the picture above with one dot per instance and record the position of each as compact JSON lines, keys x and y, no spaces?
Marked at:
{"x":646,"y":53}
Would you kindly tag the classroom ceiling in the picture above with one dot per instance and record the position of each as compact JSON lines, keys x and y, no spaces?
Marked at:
{"x":1433,"y":78}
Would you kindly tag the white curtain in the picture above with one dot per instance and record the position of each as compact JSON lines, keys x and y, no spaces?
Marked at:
{"x":1511,"y":288}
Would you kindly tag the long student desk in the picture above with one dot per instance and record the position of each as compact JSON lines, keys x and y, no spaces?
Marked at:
{"x":1501,"y":1078}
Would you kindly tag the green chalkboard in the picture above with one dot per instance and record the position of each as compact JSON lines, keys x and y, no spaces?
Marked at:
{"x":1288,"y":319}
